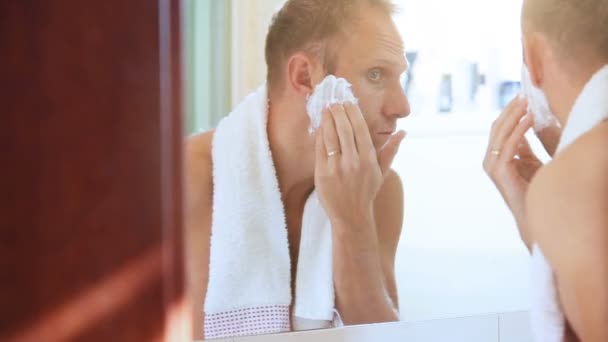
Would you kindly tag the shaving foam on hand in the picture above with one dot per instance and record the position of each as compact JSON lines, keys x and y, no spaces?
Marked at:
{"x":538,"y":105}
{"x":332,"y":90}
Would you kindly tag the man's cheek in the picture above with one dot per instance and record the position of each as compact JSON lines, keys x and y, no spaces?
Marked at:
{"x":370,"y":107}
{"x":365,"y":97}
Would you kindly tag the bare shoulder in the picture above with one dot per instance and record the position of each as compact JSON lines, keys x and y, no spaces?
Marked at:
{"x":388,"y":210}
{"x":199,"y":168}
{"x":198,"y":184}
{"x":388,"y":213}
{"x":571,"y":193}
{"x":391,"y":190}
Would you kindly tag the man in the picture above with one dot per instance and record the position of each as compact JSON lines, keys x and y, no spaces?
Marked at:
{"x":348,"y":161}
{"x":562,"y":210}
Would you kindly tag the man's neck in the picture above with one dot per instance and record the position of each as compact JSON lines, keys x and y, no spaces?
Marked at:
{"x":292,"y":149}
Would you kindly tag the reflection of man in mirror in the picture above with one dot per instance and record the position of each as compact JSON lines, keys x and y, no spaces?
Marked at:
{"x":561,"y":209}
{"x":290,"y":230}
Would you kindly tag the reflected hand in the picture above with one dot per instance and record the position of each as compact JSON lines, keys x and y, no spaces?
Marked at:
{"x":348,"y":171}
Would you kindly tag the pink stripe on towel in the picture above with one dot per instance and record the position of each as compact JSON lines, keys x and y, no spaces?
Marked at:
{"x":249,"y":321}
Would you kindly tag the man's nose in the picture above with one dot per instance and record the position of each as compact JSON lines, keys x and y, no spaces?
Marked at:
{"x":397,"y":103}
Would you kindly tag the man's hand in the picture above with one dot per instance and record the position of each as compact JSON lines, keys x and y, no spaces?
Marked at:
{"x":510,"y":162}
{"x":348,"y":171}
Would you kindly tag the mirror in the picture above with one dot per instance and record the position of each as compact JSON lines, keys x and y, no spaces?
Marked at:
{"x":459,"y":252}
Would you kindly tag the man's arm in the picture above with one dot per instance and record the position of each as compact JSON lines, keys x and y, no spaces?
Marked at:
{"x":364,"y":261}
{"x":568,"y":215}
{"x":351,"y":184}
{"x":199,"y":192}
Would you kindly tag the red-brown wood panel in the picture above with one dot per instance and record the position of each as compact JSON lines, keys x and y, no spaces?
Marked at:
{"x":90,"y":150}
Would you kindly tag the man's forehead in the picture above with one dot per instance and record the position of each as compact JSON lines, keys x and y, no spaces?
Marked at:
{"x":379,"y":32}
{"x":374,"y":39}
{"x":379,"y":47}
{"x":392,"y":43}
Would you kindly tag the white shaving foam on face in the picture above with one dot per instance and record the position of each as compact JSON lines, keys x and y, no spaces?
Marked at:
{"x":331,"y":90}
{"x":538,"y":105}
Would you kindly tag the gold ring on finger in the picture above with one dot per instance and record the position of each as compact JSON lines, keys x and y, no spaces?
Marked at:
{"x":332,"y":153}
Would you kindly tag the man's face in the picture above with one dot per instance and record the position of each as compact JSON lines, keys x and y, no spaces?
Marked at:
{"x":372,"y":59}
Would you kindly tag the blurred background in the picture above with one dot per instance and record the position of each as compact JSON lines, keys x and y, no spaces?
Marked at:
{"x":460,"y":253}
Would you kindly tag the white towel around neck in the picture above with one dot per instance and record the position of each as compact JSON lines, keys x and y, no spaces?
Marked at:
{"x":249,"y":256}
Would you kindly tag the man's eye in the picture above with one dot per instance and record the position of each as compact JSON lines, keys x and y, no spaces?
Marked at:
{"x":374,"y":75}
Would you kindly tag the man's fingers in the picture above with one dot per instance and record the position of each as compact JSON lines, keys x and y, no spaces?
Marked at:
{"x":524,"y":149}
{"x":344,"y":130}
{"x":504,"y":129}
{"x":516,"y":102}
{"x":512,"y":145}
{"x":330,"y":137}
{"x":389,"y":151}
{"x":320,"y":152}
{"x":361,"y":131}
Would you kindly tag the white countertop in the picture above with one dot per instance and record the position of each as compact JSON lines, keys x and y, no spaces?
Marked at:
{"x":504,"y":327}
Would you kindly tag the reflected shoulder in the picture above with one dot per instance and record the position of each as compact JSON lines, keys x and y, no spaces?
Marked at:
{"x":392,"y":188}
{"x":388,"y":207}
{"x":199,"y":167}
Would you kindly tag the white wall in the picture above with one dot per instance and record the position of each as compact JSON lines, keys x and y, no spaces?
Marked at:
{"x":250,"y":21}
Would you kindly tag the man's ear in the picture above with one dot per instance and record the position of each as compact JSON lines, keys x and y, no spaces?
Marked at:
{"x":301,"y":70}
{"x":535,"y":49}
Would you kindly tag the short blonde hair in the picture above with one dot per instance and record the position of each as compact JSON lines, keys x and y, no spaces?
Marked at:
{"x":307,"y":26}
{"x":575,"y":27}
